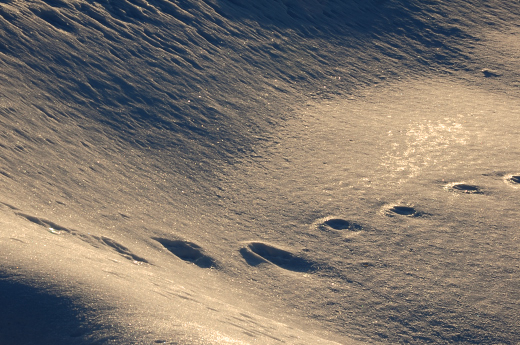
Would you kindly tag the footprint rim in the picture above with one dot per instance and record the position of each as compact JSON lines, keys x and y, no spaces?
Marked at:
{"x":466,"y":188}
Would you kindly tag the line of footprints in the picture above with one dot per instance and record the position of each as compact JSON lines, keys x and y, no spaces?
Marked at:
{"x":254,"y":253}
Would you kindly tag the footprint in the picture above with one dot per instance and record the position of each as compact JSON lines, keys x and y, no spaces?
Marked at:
{"x":9,"y":206}
{"x":408,"y":211}
{"x":256,"y":253}
{"x":465,"y":188}
{"x":188,"y":251}
{"x":489,"y":73}
{"x":514,"y":179}
{"x":51,"y":226}
{"x":94,"y":241}
{"x":5,"y":174}
{"x":340,"y":224}
{"x":122,"y":250}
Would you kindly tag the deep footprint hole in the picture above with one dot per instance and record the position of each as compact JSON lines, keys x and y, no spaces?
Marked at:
{"x":515,"y":179}
{"x":341,"y":224}
{"x":404,"y":210}
{"x":188,"y":251}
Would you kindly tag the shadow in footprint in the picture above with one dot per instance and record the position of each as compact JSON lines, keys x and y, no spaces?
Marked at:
{"x":51,"y":226}
{"x":122,"y":250}
{"x":514,"y":179}
{"x":403,"y":211}
{"x":467,"y":188}
{"x":341,"y":224}
{"x":188,"y":251}
{"x":9,"y":206}
{"x":256,"y":253}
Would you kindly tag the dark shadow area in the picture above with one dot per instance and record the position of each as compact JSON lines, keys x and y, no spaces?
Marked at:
{"x":341,"y":224}
{"x":257,"y":253}
{"x":188,"y":251}
{"x":251,"y":258}
{"x":30,"y":316}
{"x":515,"y":179}
{"x":404,"y":211}
{"x":336,"y":18}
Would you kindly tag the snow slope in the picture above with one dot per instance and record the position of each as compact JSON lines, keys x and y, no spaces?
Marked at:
{"x":222,"y":171}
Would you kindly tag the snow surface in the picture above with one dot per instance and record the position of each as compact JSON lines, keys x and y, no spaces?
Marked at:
{"x":263,"y":172}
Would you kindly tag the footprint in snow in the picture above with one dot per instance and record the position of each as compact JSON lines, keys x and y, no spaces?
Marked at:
{"x":120,"y":249}
{"x":513,"y":180}
{"x":95,"y":241}
{"x":256,"y":253}
{"x":339,"y":224}
{"x":402,"y":210}
{"x":188,"y":251}
{"x":464,"y":188}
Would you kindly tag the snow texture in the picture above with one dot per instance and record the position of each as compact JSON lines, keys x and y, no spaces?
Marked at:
{"x":259,"y":172}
